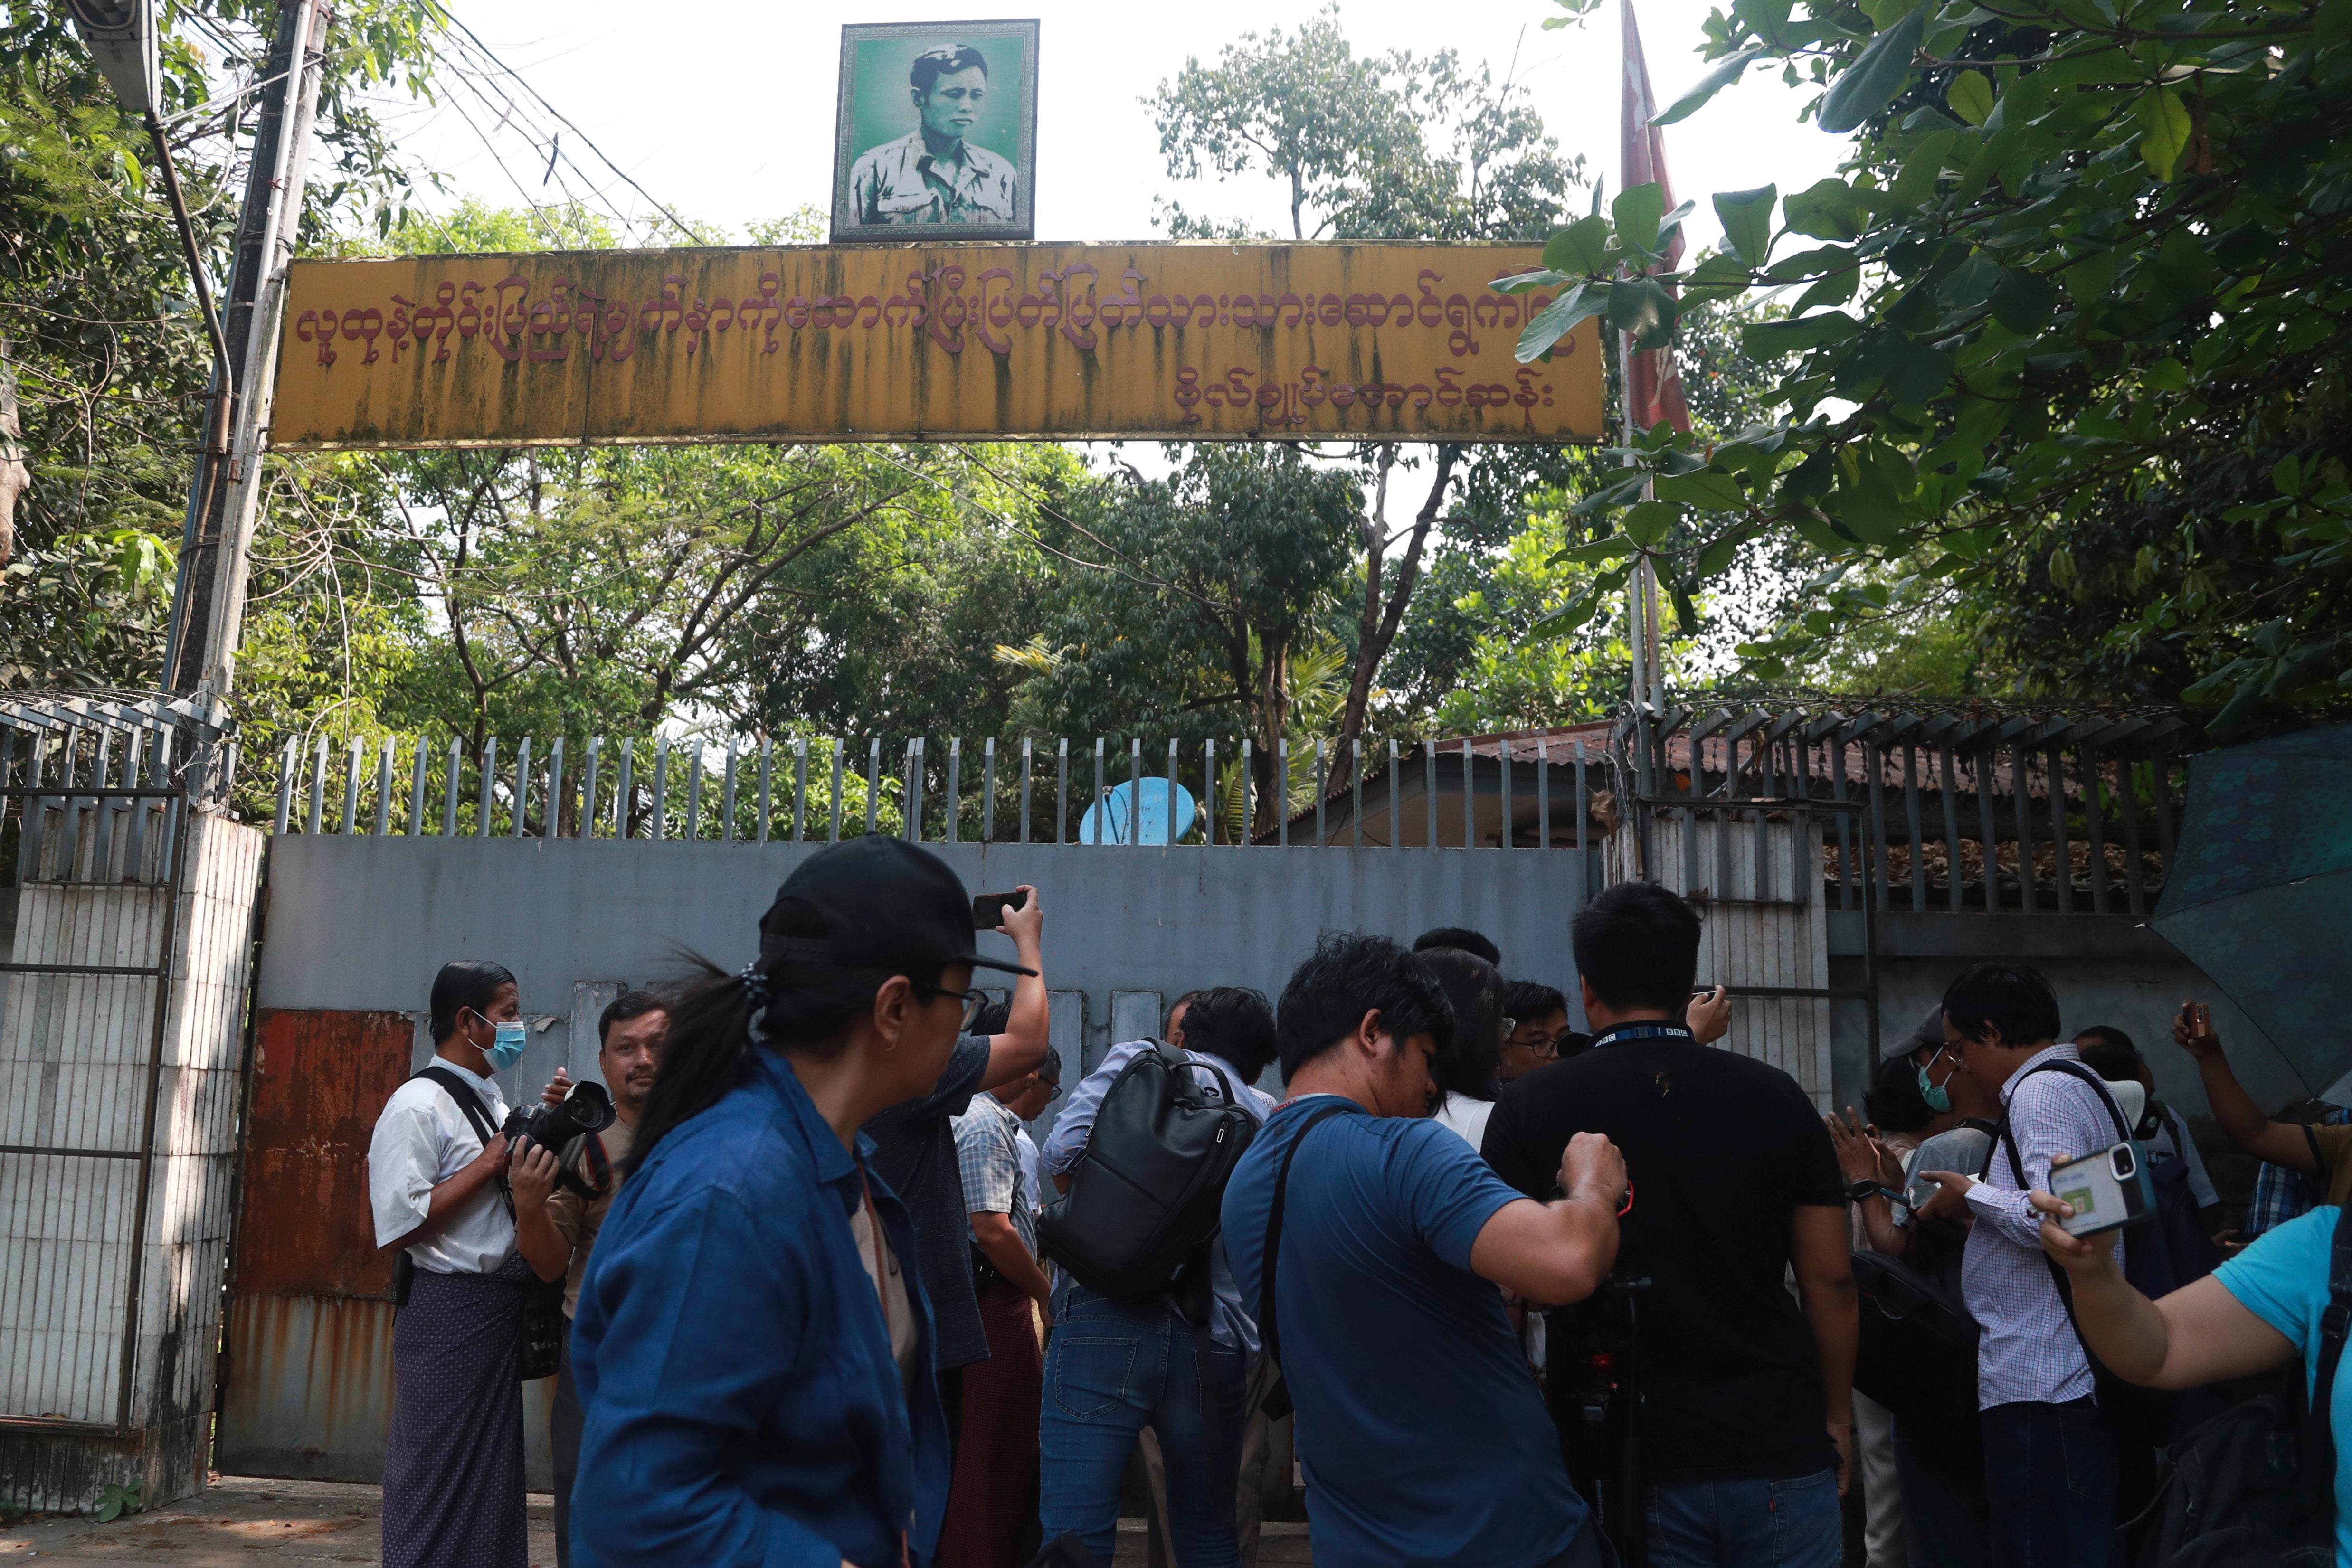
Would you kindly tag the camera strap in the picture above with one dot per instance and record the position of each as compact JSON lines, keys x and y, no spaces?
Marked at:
{"x":476,"y":1117}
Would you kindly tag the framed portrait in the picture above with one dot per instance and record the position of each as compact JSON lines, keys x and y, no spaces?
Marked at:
{"x":937,"y":135}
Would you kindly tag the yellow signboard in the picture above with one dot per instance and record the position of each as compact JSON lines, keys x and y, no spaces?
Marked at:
{"x":1185,"y":341}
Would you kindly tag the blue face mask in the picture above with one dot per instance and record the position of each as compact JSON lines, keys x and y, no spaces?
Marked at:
{"x":1938,"y":1096}
{"x":507,"y":1050}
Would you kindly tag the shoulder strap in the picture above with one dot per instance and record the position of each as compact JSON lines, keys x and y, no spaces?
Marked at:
{"x":1179,"y":1061}
{"x":1269,"y":1335}
{"x":476,"y":1117}
{"x":2336,"y":1322}
{"x":2072,"y":1070}
{"x":468,"y":1101}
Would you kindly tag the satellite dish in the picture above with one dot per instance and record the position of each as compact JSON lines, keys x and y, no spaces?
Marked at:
{"x":1113,"y":819}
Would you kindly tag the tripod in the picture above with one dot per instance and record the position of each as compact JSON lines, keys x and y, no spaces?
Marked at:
{"x":1594,"y":1392}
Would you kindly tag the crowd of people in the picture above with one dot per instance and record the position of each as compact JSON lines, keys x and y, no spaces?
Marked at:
{"x":1537,"y":1296}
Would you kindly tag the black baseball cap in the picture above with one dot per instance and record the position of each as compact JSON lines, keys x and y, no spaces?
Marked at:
{"x":1929,"y":1036}
{"x":883,"y":902}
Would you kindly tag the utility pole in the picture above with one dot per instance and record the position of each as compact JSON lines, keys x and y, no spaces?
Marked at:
{"x":209,"y":610}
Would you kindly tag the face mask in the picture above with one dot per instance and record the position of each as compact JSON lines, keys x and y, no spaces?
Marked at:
{"x":507,"y":1050}
{"x":1938,"y":1095}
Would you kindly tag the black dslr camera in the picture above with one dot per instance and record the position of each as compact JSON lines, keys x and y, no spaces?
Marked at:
{"x":569,"y":1132}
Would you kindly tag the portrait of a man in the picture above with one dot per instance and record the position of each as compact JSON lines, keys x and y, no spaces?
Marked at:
{"x":934,"y":174}
{"x":967,"y":105}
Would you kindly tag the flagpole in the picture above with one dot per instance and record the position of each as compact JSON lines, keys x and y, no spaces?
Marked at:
{"x":1636,"y":598}
{"x":1643,"y":159}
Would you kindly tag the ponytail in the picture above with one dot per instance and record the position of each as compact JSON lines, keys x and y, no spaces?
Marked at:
{"x":716,"y":1019}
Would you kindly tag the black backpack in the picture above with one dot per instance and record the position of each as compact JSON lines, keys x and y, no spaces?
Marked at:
{"x":1144,"y":1198}
{"x":2255,"y":1487}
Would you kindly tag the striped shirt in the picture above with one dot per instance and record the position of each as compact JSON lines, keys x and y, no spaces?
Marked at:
{"x":2281,"y":1194}
{"x":988,"y":1156}
{"x":2029,"y":1351}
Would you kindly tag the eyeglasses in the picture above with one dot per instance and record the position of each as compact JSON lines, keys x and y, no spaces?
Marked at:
{"x":972,"y":1002}
{"x":1053,"y":1092}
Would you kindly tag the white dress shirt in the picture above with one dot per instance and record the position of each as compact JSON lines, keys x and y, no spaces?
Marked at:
{"x":421,"y":1140}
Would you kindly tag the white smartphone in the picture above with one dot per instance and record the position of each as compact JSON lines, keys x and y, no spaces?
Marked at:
{"x":2108,"y":1189}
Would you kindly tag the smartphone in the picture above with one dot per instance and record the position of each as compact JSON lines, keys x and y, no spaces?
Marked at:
{"x":987,"y":909}
{"x":2109,"y":1189}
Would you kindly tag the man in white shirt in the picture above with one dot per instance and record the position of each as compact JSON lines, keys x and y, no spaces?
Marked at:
{"x":2050,"y":1466}
{"x":470,"y":1214}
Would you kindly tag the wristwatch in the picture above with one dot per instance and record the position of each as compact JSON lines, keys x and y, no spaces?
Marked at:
{"x":1857,"y":1191}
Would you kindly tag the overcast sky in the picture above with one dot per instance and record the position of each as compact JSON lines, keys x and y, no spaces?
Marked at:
{"x":724,"y":110}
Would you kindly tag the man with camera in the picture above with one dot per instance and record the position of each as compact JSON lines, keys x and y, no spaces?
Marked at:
{"x":1744,"y":1398}
{"x":630,"y":1034}
{"x":465,"y":1206}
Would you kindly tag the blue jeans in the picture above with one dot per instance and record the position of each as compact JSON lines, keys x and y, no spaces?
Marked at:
{"x":1113,"y":1368}
{"x":2050,"y":1477}
{"x":1746,"y":1524}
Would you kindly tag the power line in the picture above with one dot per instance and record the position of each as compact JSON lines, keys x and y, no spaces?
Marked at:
{"x":487,"y":54}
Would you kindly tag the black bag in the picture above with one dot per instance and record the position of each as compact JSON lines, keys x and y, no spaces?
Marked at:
{"x":2255,"y":1487}
{"x":1916,"y":1352}
{"x":1144,"y":1198}
{"x":543,"y":1327}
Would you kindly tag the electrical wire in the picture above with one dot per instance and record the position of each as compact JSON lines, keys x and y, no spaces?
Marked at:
{"x":487,"y":54}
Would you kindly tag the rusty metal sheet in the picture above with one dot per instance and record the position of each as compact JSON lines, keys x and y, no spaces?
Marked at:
{"x":308,"y":1387}
{"x":1194,"y":342}
{"x":320,"y":1080}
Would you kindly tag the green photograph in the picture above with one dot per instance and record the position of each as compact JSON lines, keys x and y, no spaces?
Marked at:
{"x":938,"y":130}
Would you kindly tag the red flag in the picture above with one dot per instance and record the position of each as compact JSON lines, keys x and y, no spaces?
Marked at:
{"x":1654,"y":389}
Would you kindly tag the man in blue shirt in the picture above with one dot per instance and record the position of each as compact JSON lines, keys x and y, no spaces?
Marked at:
{"x":1420,"y":1428}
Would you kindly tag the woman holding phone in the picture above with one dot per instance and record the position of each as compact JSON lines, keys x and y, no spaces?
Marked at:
{"x":753,"y":1345}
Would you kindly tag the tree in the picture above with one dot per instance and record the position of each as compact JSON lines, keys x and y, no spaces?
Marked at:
{"x":102,"y":336}
{"x":2068,"y":343}
{"x":1181,"y":604}
{"x":1397,"y":146}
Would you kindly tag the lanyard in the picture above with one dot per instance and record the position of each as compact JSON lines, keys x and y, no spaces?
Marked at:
{"x":1630,"y":1031}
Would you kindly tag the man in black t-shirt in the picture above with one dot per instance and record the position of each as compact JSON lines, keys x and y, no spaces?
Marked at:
{"x":1745,"y":1420}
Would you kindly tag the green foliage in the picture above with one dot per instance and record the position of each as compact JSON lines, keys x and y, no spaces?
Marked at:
{"x":97,"y":317}
{"x":1393,"y":147}
{"x":1180,"y":605}
{"x":2068,"y":342}
{"x":117,"y":1501}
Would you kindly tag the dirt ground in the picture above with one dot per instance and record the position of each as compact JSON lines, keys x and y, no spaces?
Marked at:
{"x":249,"y":1523}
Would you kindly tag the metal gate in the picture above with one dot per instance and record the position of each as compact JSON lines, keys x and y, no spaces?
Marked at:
{"x":120,"y":1029}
